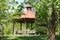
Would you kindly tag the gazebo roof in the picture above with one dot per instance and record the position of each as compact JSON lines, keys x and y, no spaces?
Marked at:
{"x":28,"y":6}
{"x":28,"y":14}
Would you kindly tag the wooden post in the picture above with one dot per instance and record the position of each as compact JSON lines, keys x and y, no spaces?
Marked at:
{"x":14,"y":28}
{"x":31,"y":26}
{"x":2,"y":31}
{"x":20,"y":26}
{"x":25,"y":28}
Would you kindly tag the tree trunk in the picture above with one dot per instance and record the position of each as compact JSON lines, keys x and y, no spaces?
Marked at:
{"x":51,"y":33}
{"x":52,"y":24}
{"x":52,"y":37}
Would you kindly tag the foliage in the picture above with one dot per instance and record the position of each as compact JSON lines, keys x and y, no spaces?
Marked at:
{"x":27,"y":37}
{"x":10,"y":11}
{"x":3,"y":7}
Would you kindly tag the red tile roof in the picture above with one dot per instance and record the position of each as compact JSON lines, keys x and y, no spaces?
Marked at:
{"x":28,"y":6}
{"x":28,"y":14}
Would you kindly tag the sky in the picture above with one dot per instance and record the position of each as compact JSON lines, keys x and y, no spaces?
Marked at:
{"x":20,"y":1}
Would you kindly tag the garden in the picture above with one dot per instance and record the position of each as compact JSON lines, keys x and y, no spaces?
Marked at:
{"x":29,"y":19}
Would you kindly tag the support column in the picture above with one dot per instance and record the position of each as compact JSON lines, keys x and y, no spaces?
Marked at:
{"x":14,"y":28}
{"x":25,"y":28}
{"x":31,"y":26}
{"x":2,"y":31}
{"x":20,"y":26}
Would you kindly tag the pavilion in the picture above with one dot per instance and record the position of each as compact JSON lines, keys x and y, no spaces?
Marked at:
{"x":25,"y":18}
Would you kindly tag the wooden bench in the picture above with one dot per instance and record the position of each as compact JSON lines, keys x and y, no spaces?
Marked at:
{"x":20,"y":32}
{"x":31,"y":32}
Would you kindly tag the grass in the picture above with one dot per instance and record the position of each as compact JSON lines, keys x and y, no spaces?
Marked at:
{"x":27,"y":37}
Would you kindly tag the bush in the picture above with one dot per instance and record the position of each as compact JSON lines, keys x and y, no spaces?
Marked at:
{"x":28,"y":37}
{"x":58,"y":37}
